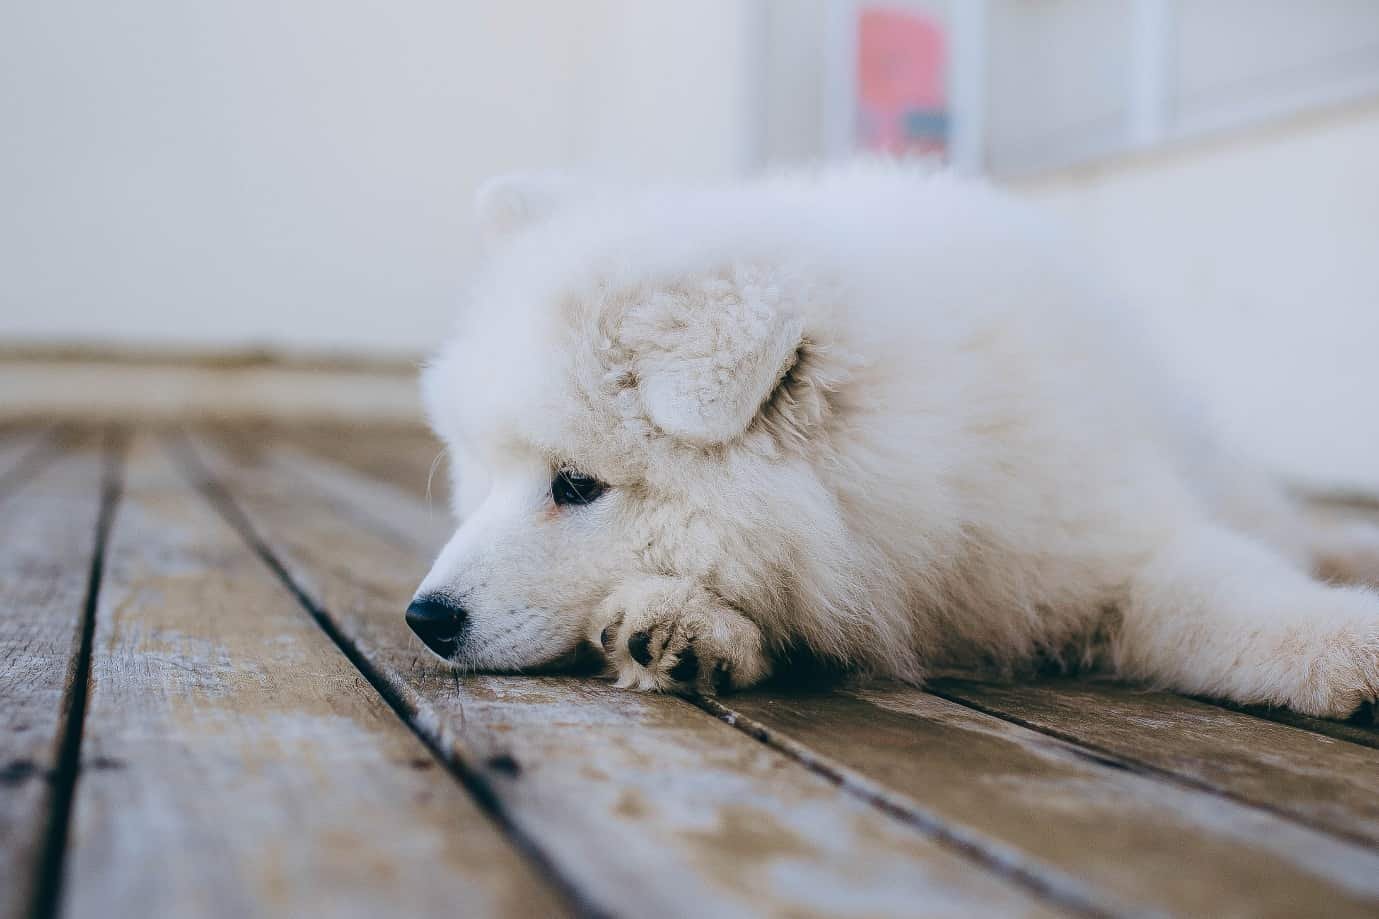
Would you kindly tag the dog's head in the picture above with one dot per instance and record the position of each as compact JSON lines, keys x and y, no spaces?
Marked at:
{"x":629,"y":394}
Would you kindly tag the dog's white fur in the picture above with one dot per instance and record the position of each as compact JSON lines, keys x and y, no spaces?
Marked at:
{"x":882,"y":417}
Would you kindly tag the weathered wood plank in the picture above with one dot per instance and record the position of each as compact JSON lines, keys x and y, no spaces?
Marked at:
{"x":236,"y":763}
{"x":47,"y":541}
{"x":378,"y":502}
{"x":23,"y":451}
{"x":408,"y":457}
{"x":13,"y":431}
{"x":1362,"y":728}
{"x":1130,"y":842}
{"x":644,"y":802}
{"x":1326,"y":783}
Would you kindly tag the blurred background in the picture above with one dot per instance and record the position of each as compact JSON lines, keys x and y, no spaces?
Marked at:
{"x":263,"y":207}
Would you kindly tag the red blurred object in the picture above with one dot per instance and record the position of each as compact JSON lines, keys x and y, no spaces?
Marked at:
{"x":902,"y":94}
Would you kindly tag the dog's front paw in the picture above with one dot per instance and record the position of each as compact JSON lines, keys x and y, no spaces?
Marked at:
{"x":671,"y":635}
{"x":1343,"y":678}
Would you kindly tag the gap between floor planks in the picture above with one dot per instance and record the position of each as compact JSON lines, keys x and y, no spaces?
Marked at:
{"x":1261,"y":762}
{"x":60,"y":508}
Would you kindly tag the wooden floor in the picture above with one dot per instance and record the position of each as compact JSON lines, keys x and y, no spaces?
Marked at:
{"x":211,"y":706}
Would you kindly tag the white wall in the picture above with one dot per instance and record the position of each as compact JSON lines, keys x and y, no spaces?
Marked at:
{"x":205,"y":174}
{"x":1255,"y":262}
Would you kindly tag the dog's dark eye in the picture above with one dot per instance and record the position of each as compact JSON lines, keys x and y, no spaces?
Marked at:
{"x":571,"y":487}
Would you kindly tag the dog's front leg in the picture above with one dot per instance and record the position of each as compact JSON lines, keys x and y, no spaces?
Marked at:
{"x":1217,"y":614}
{"x":671,"y":634}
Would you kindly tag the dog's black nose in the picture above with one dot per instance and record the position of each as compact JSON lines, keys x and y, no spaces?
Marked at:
{"x":439,"y":621}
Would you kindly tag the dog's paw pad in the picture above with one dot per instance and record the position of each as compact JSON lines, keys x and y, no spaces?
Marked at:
{"x":639,"y":646}
{"x":691,"y":676}
{"x":686,"y":667}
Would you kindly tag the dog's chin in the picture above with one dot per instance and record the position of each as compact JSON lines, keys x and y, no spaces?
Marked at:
{"x":584,"y":659}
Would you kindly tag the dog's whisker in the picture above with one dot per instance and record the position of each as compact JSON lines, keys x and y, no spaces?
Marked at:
{"x":431,"y":473}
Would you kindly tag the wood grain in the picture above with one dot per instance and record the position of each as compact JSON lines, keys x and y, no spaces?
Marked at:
{"x":23,"y":451}
{"x":1127,"y":841}
{"x":1317,"y":779}
{"x":426,"y":522}
{"x":1362,"y":728}
{"x":235,"y":762}
{"x":407,"y":457}
{"x":47,"y":540}
{"x":645,"y":803}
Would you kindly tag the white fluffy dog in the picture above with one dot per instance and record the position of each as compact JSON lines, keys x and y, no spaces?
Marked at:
{"x":877,"y":417}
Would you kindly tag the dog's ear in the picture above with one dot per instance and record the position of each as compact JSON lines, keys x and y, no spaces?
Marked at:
{"x":709,"y":361}
{"x":507,"y":204}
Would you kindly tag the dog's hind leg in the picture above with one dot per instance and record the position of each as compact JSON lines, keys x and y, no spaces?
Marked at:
{"x":1214,"y":612}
